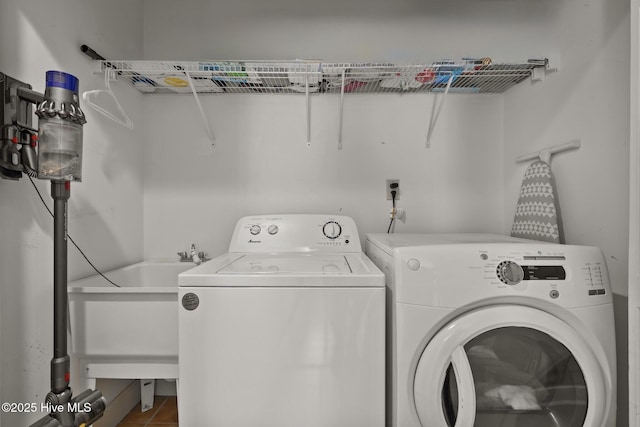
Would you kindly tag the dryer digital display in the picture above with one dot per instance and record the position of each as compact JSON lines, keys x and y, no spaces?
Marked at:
{"x":544,"y":272}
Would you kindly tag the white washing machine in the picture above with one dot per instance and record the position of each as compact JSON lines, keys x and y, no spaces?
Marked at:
{"x":285,"y":330}
{"x":491,"y":331}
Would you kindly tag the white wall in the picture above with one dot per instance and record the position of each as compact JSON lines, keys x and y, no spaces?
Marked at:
{"x":588,"y":100}
{"x":261,"y":163}
{"x":355,"y":30}
{"x":105,"y":210}
{"x":195,"y":193}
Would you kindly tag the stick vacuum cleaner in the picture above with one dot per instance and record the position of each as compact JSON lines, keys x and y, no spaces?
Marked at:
{"x":59,"y":159}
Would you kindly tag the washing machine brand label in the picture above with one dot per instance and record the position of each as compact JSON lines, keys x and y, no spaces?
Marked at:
{"x":190,"y":301}
{"x":255,"y":241}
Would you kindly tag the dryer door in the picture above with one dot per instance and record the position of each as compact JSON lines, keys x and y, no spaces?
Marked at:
{"x":510,"y":366}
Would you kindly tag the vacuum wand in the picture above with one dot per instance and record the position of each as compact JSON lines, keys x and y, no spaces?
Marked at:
{"x":60,"y":364}
{"x":89,"y":405}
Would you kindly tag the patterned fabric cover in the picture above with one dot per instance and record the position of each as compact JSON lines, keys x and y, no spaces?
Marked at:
{"x":537,"y":213}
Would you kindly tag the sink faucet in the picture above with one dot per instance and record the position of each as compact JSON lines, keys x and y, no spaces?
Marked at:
{"x":193,"y":255}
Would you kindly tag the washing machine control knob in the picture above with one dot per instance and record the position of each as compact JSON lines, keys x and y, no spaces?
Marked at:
{"x":332,"y":230}
{"x":255,"y":229}
{"x":510,"y":273}
{"x":273,"y":229}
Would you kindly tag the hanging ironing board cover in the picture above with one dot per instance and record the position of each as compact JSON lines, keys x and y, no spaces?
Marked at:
{"x":537,"y":212}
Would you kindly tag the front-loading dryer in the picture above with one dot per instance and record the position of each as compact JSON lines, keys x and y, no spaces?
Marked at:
{"x":490,"y":331}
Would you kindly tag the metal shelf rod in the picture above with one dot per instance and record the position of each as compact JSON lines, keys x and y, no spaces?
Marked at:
{"x":435,"y":111}
{"x":202,"y":114}
{"x":306,"y":85}
{"x":341,"y":110}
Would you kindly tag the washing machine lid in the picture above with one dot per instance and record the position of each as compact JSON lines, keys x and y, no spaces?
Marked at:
{"x":296,"y":264}
{"x":285,"y":270}
{"x":464,"y":356}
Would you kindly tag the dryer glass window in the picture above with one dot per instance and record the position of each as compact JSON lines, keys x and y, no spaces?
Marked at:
{"x":523,"y":378}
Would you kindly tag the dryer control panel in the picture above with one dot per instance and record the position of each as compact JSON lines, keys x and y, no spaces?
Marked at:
{"x":451,"y":275}
{"x":511,"y":273}
{"x":295,"y":233}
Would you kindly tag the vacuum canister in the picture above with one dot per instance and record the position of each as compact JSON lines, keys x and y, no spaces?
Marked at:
{"x":60,"y":129}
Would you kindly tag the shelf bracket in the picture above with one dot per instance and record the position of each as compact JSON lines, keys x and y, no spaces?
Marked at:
{"x":306,"y":85}
{"x":204,"y":117}
{"x":341,"y":110}
{"x":437,"y":108}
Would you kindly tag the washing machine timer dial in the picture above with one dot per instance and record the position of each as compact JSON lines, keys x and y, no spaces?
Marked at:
{"x":332,"y":230}
{"x":273,"y":229}
{"x":510,"y":273}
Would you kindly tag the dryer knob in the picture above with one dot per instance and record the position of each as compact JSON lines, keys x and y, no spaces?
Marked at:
{"x":510,"y":273}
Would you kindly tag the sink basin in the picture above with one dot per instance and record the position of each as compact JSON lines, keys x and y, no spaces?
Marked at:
{"x":129,"y":331}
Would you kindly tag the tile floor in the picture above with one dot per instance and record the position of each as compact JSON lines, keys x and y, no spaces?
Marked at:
{"x":163,"y":414}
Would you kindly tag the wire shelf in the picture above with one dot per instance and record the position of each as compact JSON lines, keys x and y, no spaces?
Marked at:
{"x":316,"y":77}
{"x":309,"y":77}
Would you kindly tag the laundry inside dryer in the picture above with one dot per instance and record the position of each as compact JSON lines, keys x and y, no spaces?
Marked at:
{"x":523,"y":377}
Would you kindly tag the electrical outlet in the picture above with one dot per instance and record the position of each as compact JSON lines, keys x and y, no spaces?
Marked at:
{"x":389,"y":188}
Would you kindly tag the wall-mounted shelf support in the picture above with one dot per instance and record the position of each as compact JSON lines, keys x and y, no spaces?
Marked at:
{"x":341,"y":109}
{"x":306,"y":91}
{"x":204,"y":117}
{"x":538,"y":74}
{"x":437,"y":108}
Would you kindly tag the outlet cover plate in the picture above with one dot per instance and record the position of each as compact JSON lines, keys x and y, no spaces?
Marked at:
{"x":393,"y":181}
